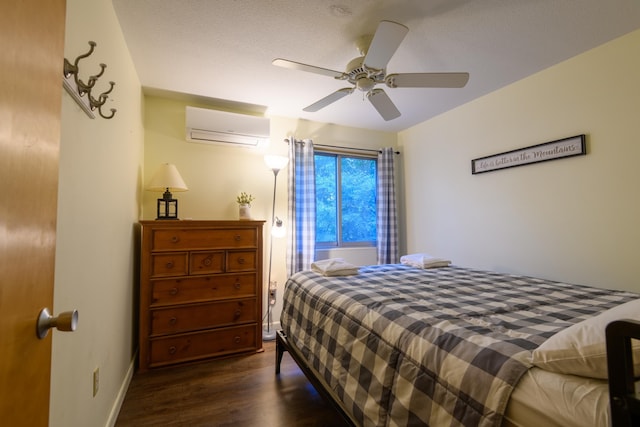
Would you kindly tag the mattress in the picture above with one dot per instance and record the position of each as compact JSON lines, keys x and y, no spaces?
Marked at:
{"x":403,"y":346}
{"x":549,"y":399}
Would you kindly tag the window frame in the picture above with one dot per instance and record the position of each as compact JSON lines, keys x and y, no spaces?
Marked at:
{"x":339,"y":243}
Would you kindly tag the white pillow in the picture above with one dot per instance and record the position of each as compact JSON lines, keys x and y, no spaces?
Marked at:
{"x":581,"y":348}
{"x":423,"y":261}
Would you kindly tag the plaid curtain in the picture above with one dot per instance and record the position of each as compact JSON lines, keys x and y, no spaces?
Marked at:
{"x":387,"y":223}
{"x":302,"y":206}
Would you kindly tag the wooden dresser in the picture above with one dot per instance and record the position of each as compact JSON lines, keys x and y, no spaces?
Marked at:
{"x":200,"y":290}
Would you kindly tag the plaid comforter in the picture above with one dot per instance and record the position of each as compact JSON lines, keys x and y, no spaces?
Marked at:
{"x":401,"y":346}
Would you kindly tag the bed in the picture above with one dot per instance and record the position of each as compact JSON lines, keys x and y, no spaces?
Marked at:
{"x":396,"y":345}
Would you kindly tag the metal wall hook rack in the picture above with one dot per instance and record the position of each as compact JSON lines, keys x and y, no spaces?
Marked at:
{"x":81,"y":91}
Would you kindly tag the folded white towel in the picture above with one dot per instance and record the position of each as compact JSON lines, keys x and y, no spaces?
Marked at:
{"x":420,"y":260}
{"x":334,"y":267}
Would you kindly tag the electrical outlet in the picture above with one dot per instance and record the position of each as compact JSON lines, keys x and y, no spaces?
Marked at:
{"x":273,"y":287}
{"x":96,"y":381}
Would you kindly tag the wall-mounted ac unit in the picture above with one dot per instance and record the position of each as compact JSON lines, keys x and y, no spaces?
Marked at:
{"x":221,"y":127}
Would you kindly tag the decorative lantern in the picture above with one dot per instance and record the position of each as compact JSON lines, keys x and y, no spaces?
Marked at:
{"x":167,"y":179}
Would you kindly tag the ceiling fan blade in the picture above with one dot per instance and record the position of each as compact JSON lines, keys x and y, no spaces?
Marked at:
{"x":454,"y":80}
{"x":285,"y":63}
{"x":330,"y":99}
{"x":384,"y":44}
{"x":381,"y":101}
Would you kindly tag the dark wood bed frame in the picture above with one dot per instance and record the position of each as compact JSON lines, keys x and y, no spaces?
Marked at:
{"x":625,"y":404}
{"x":282,"y":345}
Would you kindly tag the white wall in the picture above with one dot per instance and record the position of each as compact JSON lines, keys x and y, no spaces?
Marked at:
{"x":98,"y":205}
{"x":572,"y":219}
{"x":216,"y":174}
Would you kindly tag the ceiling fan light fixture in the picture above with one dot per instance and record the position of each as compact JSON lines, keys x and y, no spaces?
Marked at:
{"x":365,"y":84}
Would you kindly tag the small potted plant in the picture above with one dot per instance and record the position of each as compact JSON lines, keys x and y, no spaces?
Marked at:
{"x":244,"y":201}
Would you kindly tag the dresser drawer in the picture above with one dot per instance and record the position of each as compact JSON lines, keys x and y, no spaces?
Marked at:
{"x":174,"y":264}
{"x":204,"y":239}
{"x":206,"y":262}
{"x":241,"y":261}
{"x":177,"y":291}
{"x":202,"y":316}
{"x":200,"y":345}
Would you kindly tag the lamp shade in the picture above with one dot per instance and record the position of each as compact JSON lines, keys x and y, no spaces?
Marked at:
{"x":167,"y":177}
{"x":276,"y":162}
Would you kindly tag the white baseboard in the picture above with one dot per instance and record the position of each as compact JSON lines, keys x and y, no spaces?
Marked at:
{"x":115,"y":410}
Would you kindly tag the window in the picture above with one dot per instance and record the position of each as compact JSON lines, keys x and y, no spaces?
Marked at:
{"x":345,"y":200}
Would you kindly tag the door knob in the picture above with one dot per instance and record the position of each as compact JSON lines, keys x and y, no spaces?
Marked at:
{"x":67,"y":321}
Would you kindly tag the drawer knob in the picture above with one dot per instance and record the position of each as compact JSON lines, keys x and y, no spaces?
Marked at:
{"x":237,"y":339}
{"x":172,"y":349}
{"x":175,"y":239}
{"x":237,"y":237}
{"x":237,"y":284}
{"x":240,"y":260}
{"x":173,"y":321}
{"x":169,"y":264}
{"x":237,"y":314}
{"x":173,"y":291}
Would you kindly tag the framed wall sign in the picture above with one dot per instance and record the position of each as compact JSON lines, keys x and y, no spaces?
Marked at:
{"x":559,"y":149}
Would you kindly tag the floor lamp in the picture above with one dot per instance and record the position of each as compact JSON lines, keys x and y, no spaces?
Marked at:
{"x":275,"y":163}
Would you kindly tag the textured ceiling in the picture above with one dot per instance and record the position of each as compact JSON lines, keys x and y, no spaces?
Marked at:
{"x":223,"y":49}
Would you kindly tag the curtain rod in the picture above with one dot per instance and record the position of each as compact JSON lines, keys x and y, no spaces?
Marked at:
{"x":341,"y":147}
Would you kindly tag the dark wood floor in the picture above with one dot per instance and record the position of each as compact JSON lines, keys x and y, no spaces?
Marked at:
{"x":240,"y":391}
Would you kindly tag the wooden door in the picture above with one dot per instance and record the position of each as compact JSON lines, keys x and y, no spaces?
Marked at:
{"x":31,"y":59}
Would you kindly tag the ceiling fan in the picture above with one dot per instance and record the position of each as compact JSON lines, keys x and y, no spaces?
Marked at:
{"x":369,"y":70}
